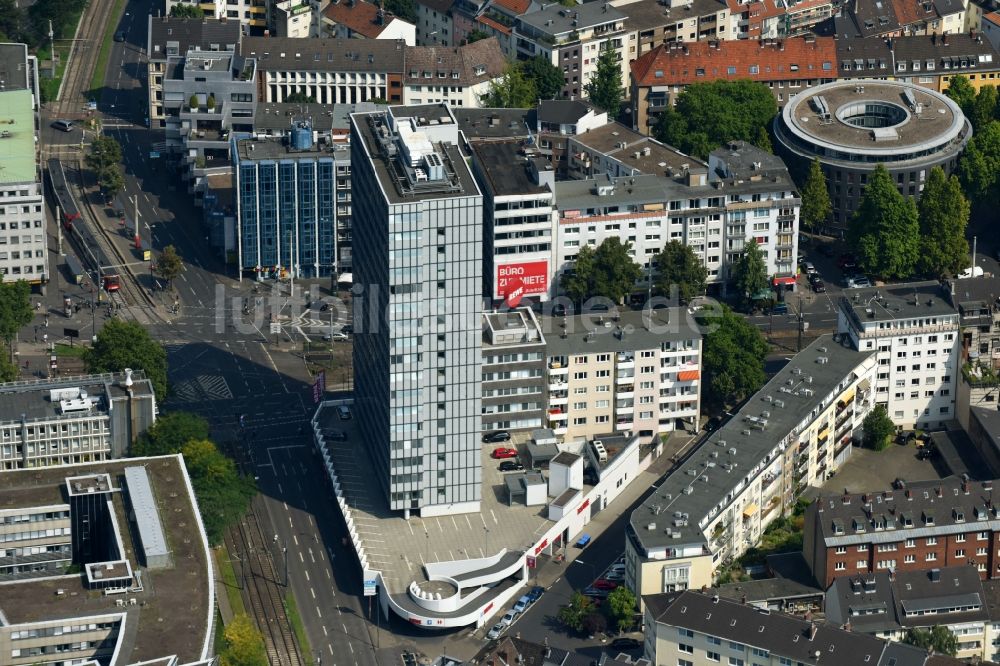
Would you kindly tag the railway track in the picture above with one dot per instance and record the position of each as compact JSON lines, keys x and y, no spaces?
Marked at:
{"x":83,"y":55}
{"x":263,"y":591}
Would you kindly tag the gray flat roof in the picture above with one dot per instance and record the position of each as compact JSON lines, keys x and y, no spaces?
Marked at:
{"x":325,"y":54}
{"x":507,"y":171}
{"x":556,"y":19}
{"x":176,"y":36}
{"x":634,"y":330}
{"x":751,"y":449}
{"x":13,"y":59}
{"x":582,"y":194}
{"x":494,"y":123}
{"x":30,"y":399}
{"x":277,"y":148}
{"x":325,"y":117}
{"x":898,"y":301}
{"x":608,"y":139}
{"x":147,"y":515}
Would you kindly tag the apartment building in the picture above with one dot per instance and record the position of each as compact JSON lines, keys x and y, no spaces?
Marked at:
{"x":900,"y":18}
{"x":418,"y":337}
{"x":19,"y":68}
{"x":519,"y":221}
{"x":72,"y":420}
{"x":174,"y":38}
{"x":293,"y":203}
{"x":989,"y":24}
{"x":24,"y":254}
{"x":701,"y":629}
{"x":615,"y":150}
{"x":786,"y":66}
{"x":887,"y":604}
{"x":457,"y":76}
{"x":572,"y":38}
{"x":364,"y":20}
{"x":715,"y":209}
{"x":778,"y":19}
{"x":651,"y":23}
{"x":949,"y":522}
{"x":435,"y":25}
{"x":558,"y":119}
{"x":914,"y":331}
{"x":249,"y":13}
{"x":796,"y":431}
{"x":493,"y":17}
{"x":514,"y":389}
{"x":328,"y":70}
{"x":635,"y":372}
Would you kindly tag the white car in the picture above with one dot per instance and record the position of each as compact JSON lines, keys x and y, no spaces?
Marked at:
{"x":508,"y":618}
{"x":495,"y":632}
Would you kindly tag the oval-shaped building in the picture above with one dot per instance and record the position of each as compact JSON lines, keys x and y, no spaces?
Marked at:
{"x":853,"y":126}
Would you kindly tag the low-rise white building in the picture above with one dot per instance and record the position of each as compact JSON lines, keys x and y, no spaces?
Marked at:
{"x":457,"y":76}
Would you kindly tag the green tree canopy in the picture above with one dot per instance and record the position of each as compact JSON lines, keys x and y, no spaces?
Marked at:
{"x":621,"y":607}
{"x":547,"y":78}
{"x":708,"y":115}
{"x":885,"y":228}
{"x":476,"y":36}
{"x":244,"y":644}
{"x":733,"y":354}
{"x":938,"y":637}
{"x":181,"y":10}
{"x":944,"y":215}
{"x":961,"y":92}
{"x":572,"y":614}
{"x":404,"y":9}
{"x":979,"y":166}
{"x":223,"y":493}
{"x":11,"y":21}
{"x":63,"y":14}
{"x":608,"y":271}
{"x":984,"y":108}
{"x":300,"y":98}
{"x":170,"y":433}
{"x":111,"y":180}
{"x":126,"y":344}
{"x":605,"y":87}
{"x":169,"y":265}
{"x":594,"y":623}
{"x":750,"y":272}
{"x":816,"y":206}
{"x":511,"y":91}
{"x":677,"y":264}
{"x":878,"y":428}
{"x":104,"y":151}
{"x":15,"y":309}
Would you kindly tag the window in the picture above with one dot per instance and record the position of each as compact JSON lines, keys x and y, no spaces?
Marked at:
{"x":684,"y":647}
{"x":685,"y":633}
{"x":713,"y":656}
{"x":735,"y":661}
{"x":713,"y":640}
{"x":931,"y":557}
{"x":931,"y":541}
{"x":684,"y":662}
{"x":839,"y":566}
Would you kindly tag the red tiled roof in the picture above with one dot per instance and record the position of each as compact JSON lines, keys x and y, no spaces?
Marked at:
{"x":496,"y":25}
{"x":732,"y":60}
{"x":514,"y":7}
{"x":772,"y":8}
{"x":992,"y":17}
{"x":359,"y":17}
{"x":909,"y":11}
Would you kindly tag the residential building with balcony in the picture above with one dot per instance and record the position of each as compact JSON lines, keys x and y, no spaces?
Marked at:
{"x":296,"y":18}
{"x":900,"y":18}
{"x":701,"y":629}
{"x":206,"y":96}
{"x":364,"y":20}
{"x":514,"y":388}
{"x":786,"y":66}
{"x":174,"y":37}
{"x":635,"y":372}
{"x":715,"y":208}
{"x":778,"y":19}
{"x":558,"y":119}
{"x":457,"y":76}
{"x":920,"y":526}
{"x":493,"y":17}
{"x":329,"y":70}
{"x":989,"y":24}
{"x":519,"y":221}
{"x":435,"y":25}
{"x":889,"y":603}
{"x":293,"y":201}
{"x":651,"y":23}
{"x":249,"y":13}
{"x":914,"y":330}
{"x":72,"y":420}
{"x":23,"y":241}
{"x":795,"y":432}
{"x":572,"y":38}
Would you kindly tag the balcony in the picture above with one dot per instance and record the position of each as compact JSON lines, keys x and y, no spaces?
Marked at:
{"x":558,"y":363}
{"x":559,"y":398}
{"x":557,"y":415}
{"x":624,"y":406}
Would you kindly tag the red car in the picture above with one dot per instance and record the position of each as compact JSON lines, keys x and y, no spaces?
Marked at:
{"x":504,"y":452}
{"x":605,"y":584}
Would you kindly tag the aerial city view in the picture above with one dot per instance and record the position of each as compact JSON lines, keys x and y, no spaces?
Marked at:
{"x":499,"y":332}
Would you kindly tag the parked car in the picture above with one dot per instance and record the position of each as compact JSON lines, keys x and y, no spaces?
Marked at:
{"x":615,"y":576}
{"x":626,"y":644}
{"x":504,"y":452}
{"x":779,"y":309}
{"x":808,"y":268}
{"x":511,"y":466}
{"x":862,"y":281}
{"x":336,"y":335}
{"x":64,"y":125}
{"x":819,"y":287}
{"x":495,"y":632}
{"x":605,"y":584}
{"x":508,"y":618}
{"x":536,"y":593}
{"x":925,"y":453}
{"x":496,"y":437}
{"x":344,"y":412}
{"x":596,"y":593}
{"x":522,"y":604}
{"x":120,"y":36}
{"x":845,"y":260}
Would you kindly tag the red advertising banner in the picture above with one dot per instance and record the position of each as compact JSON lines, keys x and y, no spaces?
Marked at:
{"x":515,"y":281}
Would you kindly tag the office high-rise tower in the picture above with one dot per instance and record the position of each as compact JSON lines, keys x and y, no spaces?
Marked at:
{"x":417,"y":238}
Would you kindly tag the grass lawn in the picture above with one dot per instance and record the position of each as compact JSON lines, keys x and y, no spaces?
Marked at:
{"x":76,"y":351}
{"x":100,"y":69}
{"x":229,"y":580}
{"x":294,"y":619}
{"x":50,"y":85}
{"x":219,"y":641}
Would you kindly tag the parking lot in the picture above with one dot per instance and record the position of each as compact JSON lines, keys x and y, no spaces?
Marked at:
{"x":870,"y":470}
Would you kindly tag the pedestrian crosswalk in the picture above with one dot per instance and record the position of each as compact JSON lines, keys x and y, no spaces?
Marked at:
{"x":200,"y":388}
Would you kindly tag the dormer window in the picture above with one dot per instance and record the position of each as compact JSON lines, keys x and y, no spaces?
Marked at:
{"x":906,"y":519}
{"x":928,"y":518}
{"x":859,"y":524}
{"x":959,"y":515}
{"x":838,"y":527}
{"x":480,"y":70}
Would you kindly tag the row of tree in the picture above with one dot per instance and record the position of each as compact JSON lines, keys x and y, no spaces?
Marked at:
{"x":15,"y":313}
{"x":583,"y":615}
{"x":104,"y":157}
{"x":523,"y":84}
{"x":29,"y":23}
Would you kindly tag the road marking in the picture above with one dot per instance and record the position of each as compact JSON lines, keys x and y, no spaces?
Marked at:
{"x":330,"y":648}
{"x":302,"y":559}
{"x":307,"y":574}
{"x":280,"y":491}
{"x":328,"y":573}
{"x":294,"y":538}
{"x":311,"y":556}
{"x":349,"y":644}
{"x":285,"y":504}
{"x":312,"y":592}
{"x":324,"y":630}
{"x":494,"y":517}
{"x":317,"y":612}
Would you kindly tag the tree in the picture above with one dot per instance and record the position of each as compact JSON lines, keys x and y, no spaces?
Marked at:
{"x":609,"y":272}
{"x":733,"y":354}
{"x":979,"y":166}
{"x":984,"y":107}
{"x":9,"y":372}
{"x":169,"y":434}
{"x":475,"y":36}
{"x":11,"y":21}
{"x":511,"y":91}
{"x":750,"y":272}
{"x":244,"y":644}
{"x":605,"y":87}
{"x":944,"y":215}
{"x":193,"y":102}
{"x":708,"y":115}
{"x":885,"y":228}
{"x":762,"y":139}
{"x":621,"y":607}
{"x":404,"y":9}
{"x":223,"y":493}
{"x":300,"y":98}
{"x":937,"y":637}
{"x":181,"y":10}
{"x":548,"y":78}
{"x":576,"y":281}
{"x":816,"y":206}
{"x":677,"y":264}
{"x":104,"y":152}
{"x":594,"y":623}
{"x":169,"y":264}
{"x":961,"y":92}
{"x":877,"y":428}
{"x":126,"y":344}
{"x":111,"y":180}
{"x":210,"y":103}
{"x":15,"y":312}
{"x":572,"y":614}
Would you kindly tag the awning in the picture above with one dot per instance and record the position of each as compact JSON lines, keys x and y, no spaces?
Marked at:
{"x":749,"y":510}
{"x":786,"y":280}
{"x":345,"y":278}
{"x":688,"y":375}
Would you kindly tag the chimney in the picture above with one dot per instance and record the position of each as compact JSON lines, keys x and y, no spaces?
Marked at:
{"x":128,"y":380}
